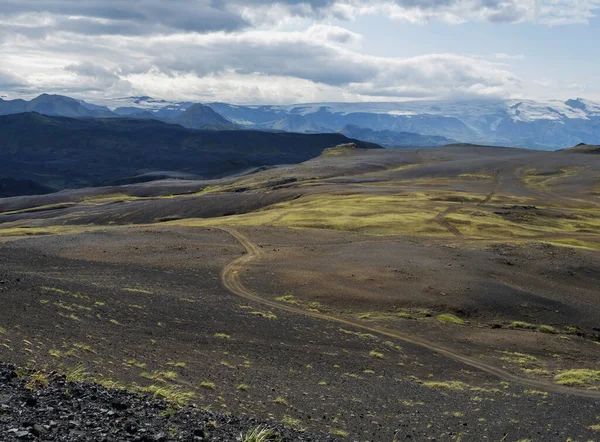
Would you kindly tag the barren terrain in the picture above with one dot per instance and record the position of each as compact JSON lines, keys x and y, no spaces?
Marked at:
{"x":433,"y":294}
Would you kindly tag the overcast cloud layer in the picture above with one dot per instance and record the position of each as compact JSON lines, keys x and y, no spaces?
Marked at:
{"x":253,"y":51}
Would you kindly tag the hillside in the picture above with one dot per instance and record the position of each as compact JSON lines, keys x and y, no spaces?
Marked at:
{"x":14,"y":187}
{"x":584,"y":148}
{"x":199,"y":116}
{"x":64,"y":153}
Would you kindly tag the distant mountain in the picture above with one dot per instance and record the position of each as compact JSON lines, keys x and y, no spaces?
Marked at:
{"x":550,"y":124}
{"x":199,"y":116}
{"x":192,"y":116}
{"x":57,"y":105}
{"x":293,"y":123}
{"x":133,"y":112}
{"x":12,"y":106}
{"x":521,"y":123}
{"x":60,"y":152}
{"x":95,"y":107}
{"x":388,"y":138}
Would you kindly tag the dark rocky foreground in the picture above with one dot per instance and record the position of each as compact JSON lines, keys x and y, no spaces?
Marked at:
{"x":77,"y":411}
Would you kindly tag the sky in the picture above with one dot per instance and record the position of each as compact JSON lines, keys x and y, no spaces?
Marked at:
{"x":296,"y":51}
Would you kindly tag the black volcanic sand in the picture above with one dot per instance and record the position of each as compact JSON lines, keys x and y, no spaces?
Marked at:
{"x":138,"y":300}
{"x":136,"y":303}
{"x":391,"y":281}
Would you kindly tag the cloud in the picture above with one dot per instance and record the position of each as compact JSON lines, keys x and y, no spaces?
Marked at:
{"x":91,"y":70}
{"x":116,"y":17}
{"x":544,"y":82}
{"x":503,"y":56}
{"x":251,"y":50}
{"x":550,"y":12}
{"x":564,"y":12}
{"x":9,"y":80}
{"x":127,"y":17}
{"x":252,"y":65}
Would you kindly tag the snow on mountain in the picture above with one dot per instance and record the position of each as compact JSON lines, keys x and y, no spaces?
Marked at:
{"x":541,"y":124}
{"x":518,"y":110}
{"x":143,"y":103}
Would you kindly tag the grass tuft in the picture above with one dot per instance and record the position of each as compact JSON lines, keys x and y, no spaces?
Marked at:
{"x":536,"y":393}
{"x":170,"y":393}
{"x":450,"y":319}
{"x":288,"y":299}
{"x":55,"y":353}
{"x":162,"y":376}
{"x":76,"y":374}
{"x":176,"y":364}
{"x":547,"y":329}
{"x":523,"y":325}
{"x":377,"y":354}
{"x":208,"y":385}
{"x":260,"y":434}
{"x":446,"y":385}
{"x":281,"y":400}
{"x":577,"y":377}
{"x":37,"y":380}
{"x":337,"y":432}
{"x":268,"y":315}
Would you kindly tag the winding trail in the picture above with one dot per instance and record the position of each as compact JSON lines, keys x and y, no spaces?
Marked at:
{"x":230,"y":277}
{"x":440,"y":218}
{"x":497,"y":184}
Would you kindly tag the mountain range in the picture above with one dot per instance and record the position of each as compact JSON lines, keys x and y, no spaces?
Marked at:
{"x":550,"y":125}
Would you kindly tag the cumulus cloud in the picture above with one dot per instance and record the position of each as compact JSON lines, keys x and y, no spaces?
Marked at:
{"x":117,"y":17}
{"x":320,"y":58}
{"x":250,"y":50}
{"x":544,"y":82}
{"x":503,"y":56}
{"x":9,"y":81}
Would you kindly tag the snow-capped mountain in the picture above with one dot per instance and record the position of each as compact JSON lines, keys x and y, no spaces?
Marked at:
{"x":526,"y":123}
{"x":547,"y":124}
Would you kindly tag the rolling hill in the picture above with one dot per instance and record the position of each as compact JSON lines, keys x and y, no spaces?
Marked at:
{"x":61,"y":152}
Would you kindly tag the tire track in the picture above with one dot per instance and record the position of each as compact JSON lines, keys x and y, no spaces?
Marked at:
{"x":230,"y":277}
{"x":440,"y":218}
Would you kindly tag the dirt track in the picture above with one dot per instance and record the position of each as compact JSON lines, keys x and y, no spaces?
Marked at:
{"x":345,"y":270}
{"x":231,"y":280}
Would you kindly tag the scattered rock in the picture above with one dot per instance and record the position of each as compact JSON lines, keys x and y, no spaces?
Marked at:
{"x":66,"y":412}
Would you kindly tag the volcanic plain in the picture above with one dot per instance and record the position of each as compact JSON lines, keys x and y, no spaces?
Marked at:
{"x":448,"y":294}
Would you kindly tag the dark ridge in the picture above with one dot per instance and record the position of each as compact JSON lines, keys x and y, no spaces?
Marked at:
{"x":583,"y":148}
{"x":14,"y":187}
{"x":60,"y":152}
